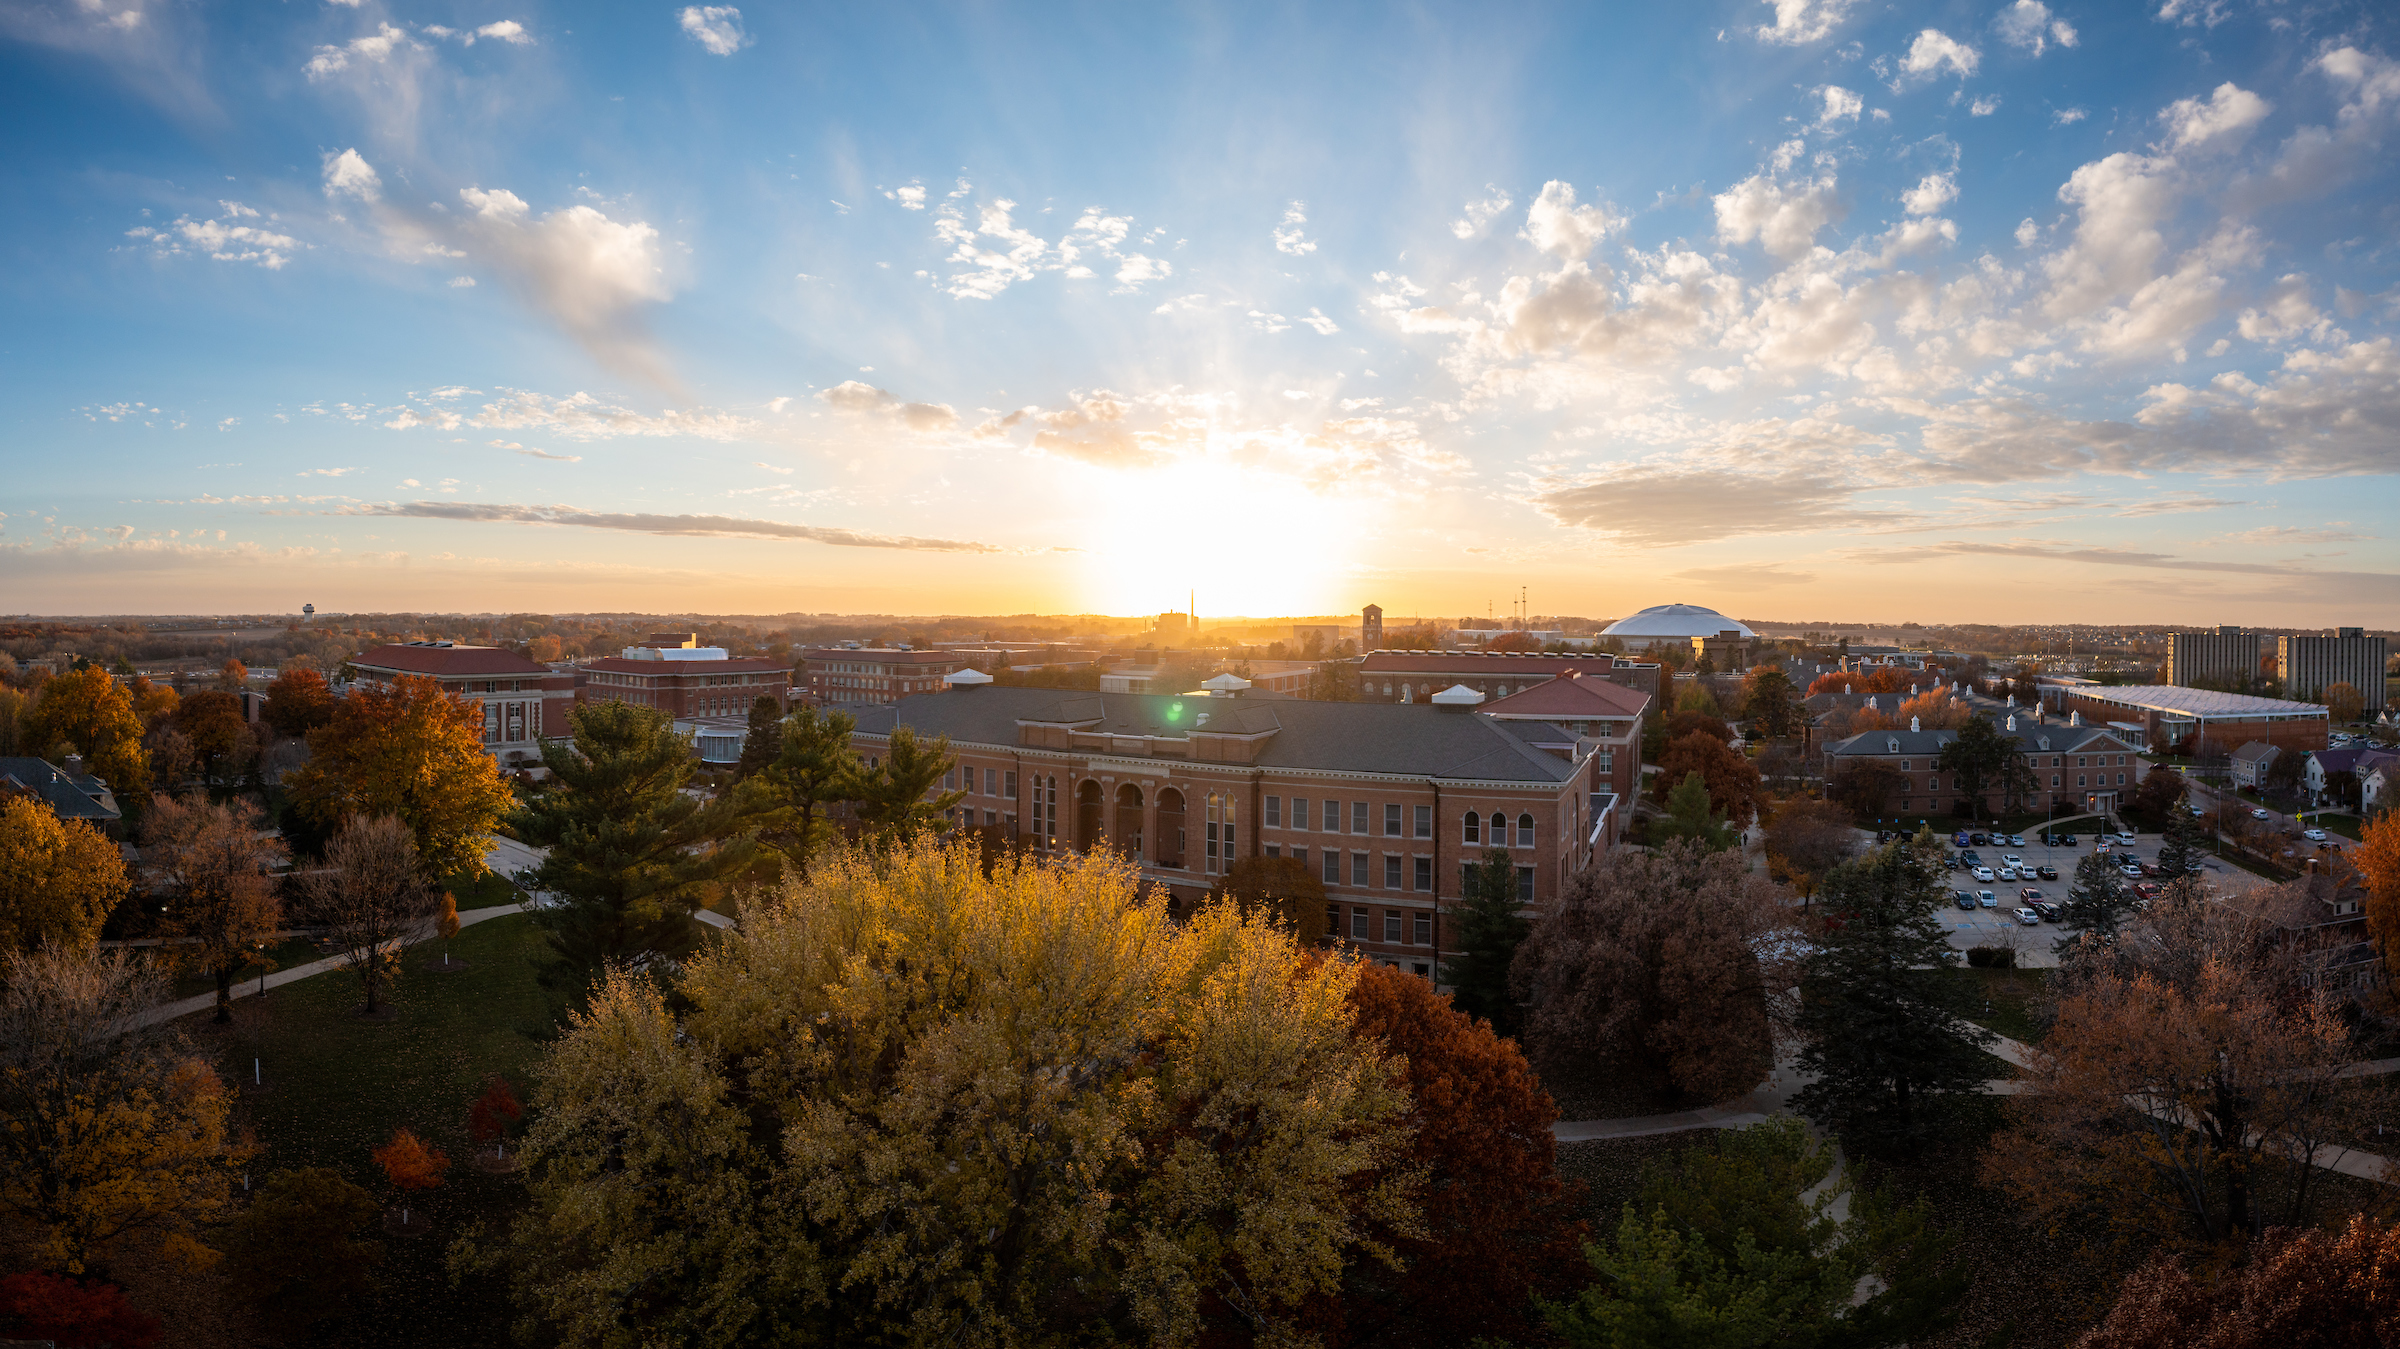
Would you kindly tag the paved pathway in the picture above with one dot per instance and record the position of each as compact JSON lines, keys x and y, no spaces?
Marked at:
{"x":249,"y":988}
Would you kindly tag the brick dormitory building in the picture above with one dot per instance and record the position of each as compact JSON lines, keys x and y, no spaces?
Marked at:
{"x":1387,"y":804}
{"x":2075,"y":766}
{"x":1414,"y":676}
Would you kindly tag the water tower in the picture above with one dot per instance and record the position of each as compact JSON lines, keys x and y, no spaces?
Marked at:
{"x":307,"y":612}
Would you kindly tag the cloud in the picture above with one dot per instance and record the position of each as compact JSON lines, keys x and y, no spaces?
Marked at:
{"x":859,"y":398}
{"x":1933,"y":53}
{"x":1758,"y":577}
{"x":1839,"y":107}
{"x":1666,"y":506}
{"x":1557,"y":226}
{"x":1798,"y":21}
{"x":718,"y":28}
{"x":2028,"y":25}
{"x":2385,"y":585}
{"x":506,"y":30}
{"x":578,"y":416}
{"x":1783,"y":216}
{"x":545,"y":454}
{"x":2225,"y":120}
{"x":2179,"y":504}
{"x":590,"y":274}
{"x":257,"y":244}
{"x":1984,"y":107}
{"x":1315,"y":318}
{"x":911,"y":197}
{"x":1288,"y":237}
{"x":688,"y":526}
{"x":1480,"y":213}
{"x":2068,"y":116}
{"x":1932,"y":192}
{"x":369,"y":49}
{"x":348,"y":174}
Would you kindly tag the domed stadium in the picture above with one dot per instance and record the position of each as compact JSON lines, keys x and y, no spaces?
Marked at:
{"x":1677,"y":623}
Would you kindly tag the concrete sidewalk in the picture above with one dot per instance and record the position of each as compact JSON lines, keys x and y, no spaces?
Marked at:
{"x":249,"y":988}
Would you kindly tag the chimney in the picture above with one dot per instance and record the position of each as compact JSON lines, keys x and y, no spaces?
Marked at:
{"x":72,"y":765}
{"x":2012,"y":723}
{"x":1913,"y":724}
{"x":2074,"y":718}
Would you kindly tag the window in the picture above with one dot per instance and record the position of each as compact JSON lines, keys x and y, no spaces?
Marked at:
{"x":2054,"y":780}
{"x":2079,"y":780}
{"x":1499,"y":830}
{"x":991,"y":782}
{"x":1358,"y":817}
{"x":1525,"y":830}
{"x":1524,"y":885}
{"x":1473,"y":831}
{"x":1358,"y":870}
{"x":1009,"y":785}
{"x":1300,"y":855}
{"x":1331,"y":820}
{"x":1391,"y":871}
{"x":1424,"y":933}
{"x":1274,"y":850}
{"x":1608,"y":760}
{"x":1358,"y":924}
{"x":1904,"y":765}
{"x":1424,"y":822}
{"x":950,"y":780}
{"x":1391,"y":821}
{"x":2120,"y":779}
{"x":1391,"y":927}
{"x":1333,"y":919}
{"x":1466,"y":879}
{"x":1274,"y":812}
{"x":991,"y":817}
{"x":1333,"y":867}
{"x":2081,"y":761}
{"x":1424,"y":874}
{"x":1299,"y":812}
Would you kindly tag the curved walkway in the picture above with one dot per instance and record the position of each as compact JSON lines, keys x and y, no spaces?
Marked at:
{"x":249,"y":988}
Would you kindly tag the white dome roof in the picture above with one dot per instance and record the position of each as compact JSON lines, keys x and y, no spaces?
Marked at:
{"x":1675,"y":620}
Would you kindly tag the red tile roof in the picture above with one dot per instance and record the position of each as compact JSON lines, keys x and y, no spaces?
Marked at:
{"x":620,"y":665}
{"x":1570,"y":698}
{"x":447,"y":661}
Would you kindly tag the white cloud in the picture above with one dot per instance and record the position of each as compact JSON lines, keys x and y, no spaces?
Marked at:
{"x":348,"y":174}
{"x":1325,"y":327}
{"x":1136,"y":269}
{"x":1932,"y":193}
{"x":2028,"y":233}
{"x":580,"y":416}
{"x":1984,"y":107}
{"x":860,"y":398}
{"x":373,"y":48}
{"x":1480,"y":213}
{"x":1289,"y":237}
{"x":911,"y":197}
{"x":1798,"y":21}
{"x":1783,"y":216}
{"x":1557,"y":226}
{"x":2068,"y":116}
{"x":2028,"y":24}
{"x":990,"y":269}
{"x":1839,"y":106}
{"x":2285,"y":313}
{"x":461,"y":282}
{"x":257,"y":244}
{"x":1933,"y":53}
{"x":545,"y":454}
{"x":718,"y":28}
{"x":2223,"y":121}
{"x":591,"y":274}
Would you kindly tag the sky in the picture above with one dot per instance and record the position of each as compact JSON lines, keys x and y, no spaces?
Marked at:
{"x":1969,"y":312}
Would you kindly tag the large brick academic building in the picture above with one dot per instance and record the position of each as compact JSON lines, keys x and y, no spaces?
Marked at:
{"x":523,"y":700}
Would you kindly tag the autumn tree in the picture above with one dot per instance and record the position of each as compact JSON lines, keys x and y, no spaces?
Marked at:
{"x":1488,"y":924}
{"x":2378,"y":859}
{"x":1864,"y":787}
{"x":632,"y":857}
{"x":86,"y":712}
{"x":72,"y":1314}
{"x":902,"y":797}
{"x":211,"y":722}
{"x":372,"y":899}
{"x":1696,"y":698}
{"x":762,"y":740}
{"x":1935,"y":710}
{"x":492,"y":1114}
{"x":409,"y":750}
{"x":1771,"y":703}
{"x":2298,"y":1289}
{"x":1281,"y":889}
{"x":233,"y":676}
{"x":1978,"y":758}
{"x":1141,"y":1129}
{"x":217,"y":874}
{"x":115,"y":1126}
{"x":298,"y":701}
{"x":59,"y":879}
{"x":1734,"y":787}
{"x":152,"y":703}
{"x":408,"y":1164}
{"x":1498,"y":1227}
{"x":1884,"y":1029}
{"x":1806,"y":839}
{"x":1668,"y":968}
{"x":2157,"y":796}
{"x":295,"y":1252}
{"x":171,"y":755}
{"x":2343,"y":702}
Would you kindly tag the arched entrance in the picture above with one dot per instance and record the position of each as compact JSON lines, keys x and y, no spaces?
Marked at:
{"x":1087,"y":817}
{"x":1170,"y":827}
{"x":1128,"y":835}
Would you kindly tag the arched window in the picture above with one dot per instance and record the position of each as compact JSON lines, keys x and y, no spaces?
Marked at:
{"x":1525,"y":830}
{"x":1499,"y":830}
{"x":1474,"y":829}
{"x":1170,"y":827}
{"x":1387,"y":689}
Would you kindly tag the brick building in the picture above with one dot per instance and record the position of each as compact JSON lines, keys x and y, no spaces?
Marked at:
{"x":1605,"y":718}
{"x":2075,"y":767}
{"x":687,"y":681}
{"x":1414,"y":676}
{"x":523,"y":700}
{"x":874,"y":674}
{"x":2167,"y":719}
{"x":1388,"y":804}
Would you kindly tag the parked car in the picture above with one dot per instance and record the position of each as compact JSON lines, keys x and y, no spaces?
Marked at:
{"x":2146,"y":891}
{"x":2012,"y":860}
{"x":1980,"y":840}
{"x":1983,"y":873}
{"x":2016,"y":840}
{"x":2029,"y":893}
{"x":2029,"y":918}
{"x":2046,"y":872}
{"x":1965,"y":900}
{"x":1960,"y":839}
{"x":2067,"y":841}
{"x":2314,"y":835}
{"x":2257,"y":814}
{"x":2199,"y":812}
{"x":2131,"y":870}
{"x":2329,"y":846}
{"x":1987,"y":899}
{"x":1971,"y":858}
{"x":2151,"y":869}
{"x":2007,"y":874}
{"x":2124,"y":840}
{"x":2050,"y":912}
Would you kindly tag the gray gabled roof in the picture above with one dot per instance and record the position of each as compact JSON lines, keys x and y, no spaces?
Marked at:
{"x":2029,"y":735}
{"x":81,"y":797}
{"x":1392,"y":739}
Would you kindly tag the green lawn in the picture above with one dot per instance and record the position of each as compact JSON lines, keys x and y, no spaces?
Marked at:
{"x":285,"y":954}
{"x":339,"y":1084}
{"x":2345,"y":825}
{"x":2013,"y":997}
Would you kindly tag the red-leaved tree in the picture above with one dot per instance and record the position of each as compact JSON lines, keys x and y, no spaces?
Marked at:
{"x":490,"y":1115}
{"x":72,"y":1315}
{"x":2302,"y":1289}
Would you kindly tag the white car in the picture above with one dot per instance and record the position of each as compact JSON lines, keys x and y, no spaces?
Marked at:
{"x":2313,"y":835}
{"x":2131,"y":869}
{"x":2029,"y":918}
{"x":2012,"y":860}
{"x":2007,"y":874}
{"x":1983,"y":873}
{"x":2125,"y":839}
{"x":1987,"y":899}
{"x":2257,"y":814}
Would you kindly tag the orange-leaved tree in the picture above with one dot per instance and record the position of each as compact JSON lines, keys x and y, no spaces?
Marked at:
{"x":85,"y":712}
{"x":217,"y":874}
{"x":2300,"y":1289}
{"x":298,"y":701}
{"x":1498,"y":1226}
{"x":409,"y":750}
{"x":408,"y":1164}
{"x":1734,"y":787}
{"x":211,"y":720}
{"x":2378,"y":858}
{"x":58,"y":878}
{"x":1933,"y":711}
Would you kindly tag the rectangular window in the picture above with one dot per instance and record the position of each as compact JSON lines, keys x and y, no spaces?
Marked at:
{"x":1607,"y":760}
{"x":1358,"y":870}
{"x":1333,"y":919}
{"x":1274,"y":812}
{"x":950,"y":780}
{"x":1274,"y":850}
{"x":1391,"y":821}
{"x":1333,"y":867}
{"x":991,"y":817}
{"x":1524,"y":885}
{"x":1424,"y":822}
{"x":1212,"y":845}
{"x":1466,"y":879}
{"x":1391,"y":927}
{"x":1424,"y":932}
{"x":1391,"y":872}
{"x":491,"y":723}
{"x":1358,"y":924}
{"x":1331,"y":820}
{"x":1424,"y":874}
{"x":1010,"y":782}
{"x":1300,"y":855}
{"x":1358,"y":817}
{"x":1299,"y":812}
{"x":991,"y":782}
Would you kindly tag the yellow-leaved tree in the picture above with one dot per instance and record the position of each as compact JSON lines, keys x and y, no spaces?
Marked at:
{"x":916,"y":1102}
{"x":88,"y":713}
{"x":409,"y":750}
{"x":58,"y":878}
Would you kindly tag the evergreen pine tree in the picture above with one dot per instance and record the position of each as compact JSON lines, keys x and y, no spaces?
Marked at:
{"x":1489,"y":929}
{"x":1689,"y":816}
{"x":764,"y":738}
{"x":814,"y":767}
{"x":2186,"y":839}
{"x":630,"y":856}
{"x":2098,"y":901}
{"x":1886,"y":1030}
{"x":892,"y":797}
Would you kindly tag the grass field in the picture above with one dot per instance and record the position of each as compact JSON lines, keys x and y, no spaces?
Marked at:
{"x":2013,"y":997}
{"x":338,"y":1085}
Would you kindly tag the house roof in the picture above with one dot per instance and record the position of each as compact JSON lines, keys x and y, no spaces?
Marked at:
{"x":745,"y":665}
{"x":1571,"y":697}
{"x":72,"y":797}
{"x":2256,"y":751}
{"x":1394,"y":739}
{"x":2203,"y":703}
{"x":2029,"y":735}
{"x":446,"y":661}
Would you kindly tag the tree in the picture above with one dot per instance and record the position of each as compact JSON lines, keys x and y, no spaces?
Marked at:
{"x":631,"y":856}
{"x":1689,"y":817}
{"x":413,"y":751}
{"x":892,"y":801}
{"x":491,"y":1115}
{"x":1281,"y":889}
{"x":295,"y":1252}
{"x":152,"y":703}
{"x":2192,"y":1071}
{"x":1498,"y":1226}
{"x":1884,"y":1030}
{"x":1667,"y":968}
{"x":1489,"y":925}
{"x":1864,"y":787}
{"x":233,"y":676}
{"x":762,"y":742}
{"x":211,"y":720}
{"x":1935,"y":710}
{"x":73,"y":1315}
{"x":115,"y":1127}
{"x":1806,"y":839}
{"x":298,"y":701}
{"x":1696,"y":698}
{"x":2378,"y":859}
{"x":1734,"y":788}
{"x":2343,"y":702}
{"x":1736,"y":1253}
{"x":2098,"y":902}
{"x":1010,"y":1107}
{"x":2185,"y":836}
{"x":1333,"y":682}
{"x":373,"y":900}
{"x":814,"y":767}
{"x":2305,"y":1289}
{"x":59,"y":879}
{"x":1978,"y":758}
{"x":2158,"y":797}
{"x":1772,"y":704}
{"x":408,"y":1164}
{"x":86,"y":712}
{"x":171,"y":755}
{"x":218,"y":875}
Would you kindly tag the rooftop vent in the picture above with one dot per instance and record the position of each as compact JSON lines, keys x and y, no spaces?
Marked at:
{"x":1457,"y":697}
{"x":1913,"y":724}
{"x":966,"y":679}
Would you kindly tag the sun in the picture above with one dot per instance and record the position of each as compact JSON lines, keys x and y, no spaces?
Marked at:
{"x":1247,"y":541}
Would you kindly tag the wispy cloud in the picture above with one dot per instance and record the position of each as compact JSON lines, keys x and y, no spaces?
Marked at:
{"x":699,"y":526}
